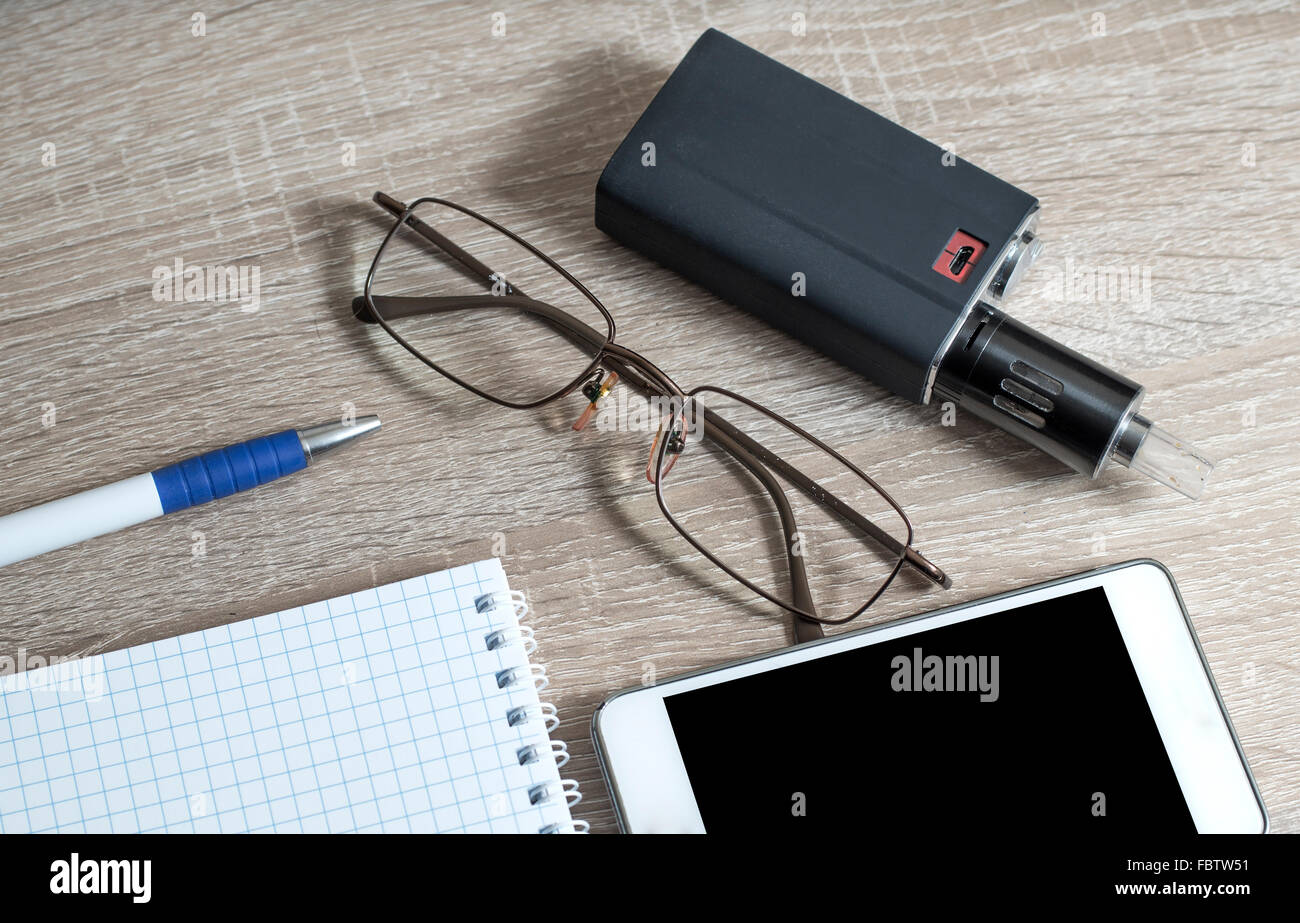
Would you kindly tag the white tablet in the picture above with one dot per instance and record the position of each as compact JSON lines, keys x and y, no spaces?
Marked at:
{"x":1084,"y":704}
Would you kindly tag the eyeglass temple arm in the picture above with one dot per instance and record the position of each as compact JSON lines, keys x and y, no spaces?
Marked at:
{"x":801,"y":592}
{"x":435,"y":237}
{"x":399,"y":306}
{"x":814,"y":490}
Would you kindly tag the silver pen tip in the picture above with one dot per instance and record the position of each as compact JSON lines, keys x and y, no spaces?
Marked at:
{"x":321,"y":438}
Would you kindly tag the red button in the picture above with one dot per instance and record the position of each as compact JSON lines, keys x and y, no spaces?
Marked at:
{"x":956,"y":260}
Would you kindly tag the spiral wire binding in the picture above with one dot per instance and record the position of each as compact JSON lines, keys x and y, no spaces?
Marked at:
{"x":533,"y":753}
{"x":536,"y":672}
{"x":488,"y":601}
{"x":523,"y":634}
{"x":544,"y":712}
{"x":543,"y":792}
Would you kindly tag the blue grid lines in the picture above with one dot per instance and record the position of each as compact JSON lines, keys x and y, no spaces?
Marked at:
{"x":371,"y":712}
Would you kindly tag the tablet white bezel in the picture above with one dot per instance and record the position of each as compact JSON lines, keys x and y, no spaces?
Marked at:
{"x":652,"y":791}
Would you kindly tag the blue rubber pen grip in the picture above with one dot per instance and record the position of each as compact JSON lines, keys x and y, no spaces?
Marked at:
{"x":222,"y":472}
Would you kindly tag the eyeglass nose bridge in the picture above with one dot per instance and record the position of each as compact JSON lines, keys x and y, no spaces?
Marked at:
{"x":599,"y":386}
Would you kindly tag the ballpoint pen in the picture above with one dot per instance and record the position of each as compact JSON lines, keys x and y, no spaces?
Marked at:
{"x":196,"y":480}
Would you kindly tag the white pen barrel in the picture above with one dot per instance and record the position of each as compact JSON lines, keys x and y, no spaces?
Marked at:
{"x":43,"y":528}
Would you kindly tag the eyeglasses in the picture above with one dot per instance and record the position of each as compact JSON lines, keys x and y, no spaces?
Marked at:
{"x":777,"y":509}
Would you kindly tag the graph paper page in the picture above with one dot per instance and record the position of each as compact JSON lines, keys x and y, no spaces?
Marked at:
{"x":378,"y":711}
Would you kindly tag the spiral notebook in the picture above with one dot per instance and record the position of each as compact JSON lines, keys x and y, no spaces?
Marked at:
{"x":410,"y":707}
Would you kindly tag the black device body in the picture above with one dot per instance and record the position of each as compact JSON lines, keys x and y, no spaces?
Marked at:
{"x":846,"y":230}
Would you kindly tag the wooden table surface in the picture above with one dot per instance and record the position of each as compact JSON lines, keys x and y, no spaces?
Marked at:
{"x":1159,"y":136}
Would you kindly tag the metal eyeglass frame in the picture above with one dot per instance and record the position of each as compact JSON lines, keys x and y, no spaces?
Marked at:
{"x":640,"y":373}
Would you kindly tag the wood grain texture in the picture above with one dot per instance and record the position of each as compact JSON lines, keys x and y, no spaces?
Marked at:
{"x":1168,"y":144}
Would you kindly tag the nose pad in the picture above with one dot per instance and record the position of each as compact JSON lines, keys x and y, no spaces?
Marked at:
{"x":675,"y":427}
{"x":597,"y":387}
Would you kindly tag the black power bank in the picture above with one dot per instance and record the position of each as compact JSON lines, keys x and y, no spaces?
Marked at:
{"x":870,"y":243}
{"x":761,"y":173}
